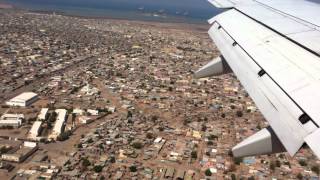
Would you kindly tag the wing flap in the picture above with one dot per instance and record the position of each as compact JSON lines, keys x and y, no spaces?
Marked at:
{"x":281,"y":112}
{"x":294,"y":69}
{"x":274,"y":49}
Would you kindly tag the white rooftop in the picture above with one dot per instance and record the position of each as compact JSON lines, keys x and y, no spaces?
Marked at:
{"x":43,"y":113}
{"x":11,"y":116}
{"x":17,"y":122}
{"x":35,"y":127}
{"x":60,"y":120}
{"x":24,"y":96}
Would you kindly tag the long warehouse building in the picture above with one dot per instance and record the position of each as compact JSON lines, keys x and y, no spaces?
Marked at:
{"x":25,"y":99}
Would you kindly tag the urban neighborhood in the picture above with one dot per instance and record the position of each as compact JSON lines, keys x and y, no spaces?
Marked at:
{"x":86,"y":98}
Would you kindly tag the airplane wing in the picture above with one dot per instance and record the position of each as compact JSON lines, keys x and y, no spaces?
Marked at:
{"x":273,"y":47}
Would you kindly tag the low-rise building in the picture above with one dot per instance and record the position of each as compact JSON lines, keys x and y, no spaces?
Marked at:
{"x":12,"y":120}
{"x":35,"y":129}
{"x":85,"y":119}
{"x":43,"y":115}
{"x":59,"y":124}
{"x":25,"y":99}
{"x":93,"y":112}
{"x":22,"y":153}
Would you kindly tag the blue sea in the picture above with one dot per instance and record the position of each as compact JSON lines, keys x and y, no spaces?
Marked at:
{"x":194,"y":11}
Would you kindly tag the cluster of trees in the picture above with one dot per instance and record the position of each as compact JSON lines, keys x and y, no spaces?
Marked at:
{"x":64,"y":136}
{"x":133,"y":168}
{"x":137,"y":145}
{"x":97,"y":168}
{"x":208,"y":172}
{"x":194,"y":155}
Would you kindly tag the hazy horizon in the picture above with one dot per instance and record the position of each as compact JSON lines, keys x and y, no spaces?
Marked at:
{"x":186,"y":9}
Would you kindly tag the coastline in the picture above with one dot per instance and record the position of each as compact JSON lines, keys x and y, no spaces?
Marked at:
{"x":179,"y":25}
{"x":161,"y":24}
{"x":92,"y":13}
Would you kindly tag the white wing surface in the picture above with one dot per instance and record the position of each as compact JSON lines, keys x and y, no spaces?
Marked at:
{"x":273,"y":46}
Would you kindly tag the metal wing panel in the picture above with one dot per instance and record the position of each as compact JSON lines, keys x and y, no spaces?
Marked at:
{"x":274,"y":19}
{"x":298,"y":20}
{"x":305,"y":10}
{"x":224,"y":3}
{"x":309,"y":39}
{"x":294,"y":69}
{"x":271,"y":101}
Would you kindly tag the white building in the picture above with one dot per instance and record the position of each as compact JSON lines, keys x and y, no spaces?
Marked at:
{"x":78,"y":111}
{"x":35,"y":129}
{"x":13,"y":120}
{"x":93,"y":112}
{"x":59,"y":124}
{"x":43,"y":114}
{"x":23,"y":100}
{"x":85,"y":119}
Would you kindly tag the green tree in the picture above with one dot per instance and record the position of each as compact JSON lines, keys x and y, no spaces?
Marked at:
{"x":194,"y":154}
{"x":112,"y":159}
{"x":303,"y":162}
{"x":133,"y":168}
{"x":208,"y":172}
{"x":137,"y":145}
{"x":85,"y":162}
{"x":129,"y":115}
{"x":64,"y":136}
{"x":97,"y":168}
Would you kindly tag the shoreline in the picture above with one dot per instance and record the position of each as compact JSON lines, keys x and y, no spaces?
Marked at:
{"x":185,"y":26}
{"x":170,"y":20}
{"x":161,"y":24}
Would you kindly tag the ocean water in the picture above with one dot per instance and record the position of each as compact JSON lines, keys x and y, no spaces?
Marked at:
{"x":196,"y":11}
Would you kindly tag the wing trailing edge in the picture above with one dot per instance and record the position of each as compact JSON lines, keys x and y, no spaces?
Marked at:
{"x":267,"y":65}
